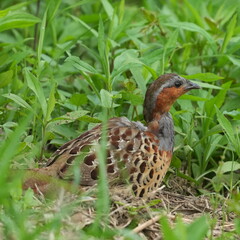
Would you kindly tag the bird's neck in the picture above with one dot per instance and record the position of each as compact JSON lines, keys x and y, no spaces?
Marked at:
{"x":162,"y":127}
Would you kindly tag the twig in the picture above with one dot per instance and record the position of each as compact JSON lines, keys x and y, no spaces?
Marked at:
{"x":146,"y":224}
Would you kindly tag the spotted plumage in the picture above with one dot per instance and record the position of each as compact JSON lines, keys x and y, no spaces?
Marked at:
{"x":136,"y":154}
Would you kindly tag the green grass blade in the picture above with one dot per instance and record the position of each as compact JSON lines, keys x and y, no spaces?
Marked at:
{"x":229,"y":33}
{"x":35,"y":86}
{"x":41,"y":40}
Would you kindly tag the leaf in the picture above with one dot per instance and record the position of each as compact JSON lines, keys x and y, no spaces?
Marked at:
{"x":193,"y":28}
{"x":226,"y":125}
{"x":198,"y":229}
{"x":108,"y":8}
{"x":78,"y":99}
{"x":6,"y":78}
{"x":207,"y":85}
{"x":66,"y":118}
{"x":18,"y":100}
{"x":34,"y":84}
{"x":133,"y":98}
{"x":167,"y":230}
{"x":234,"y":60}
{"x":51,"y":102}
{"x":80,"y":65}
{"x":206,"y":77}
{"x":106,"y":98}
{"x":103,"y":52}
{"x":193,"y":98}
{"x":171,"y":42}
{"x":17,"y":20}
{"x":229,"y":33}
{"x":126,"y":60}
{"x":41,"y":37}
{"x":228,"y":167}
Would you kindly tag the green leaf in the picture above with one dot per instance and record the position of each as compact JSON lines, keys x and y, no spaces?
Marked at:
{"x":18,"y":100}
{"x":227,"y":126}
{"x":193,"y":98}
{"x":106,"y":98}
{"x":80,"y":65}
{"x":167,"y":231}
{"x":234,"y":60}
{"x":41,"y":38}
{"x":228,"y":167}
{"x":198,"y":229}
{"x":51,"y":102}
{"x":17,"y":20}
{"x":66,"y":118}
{"x":34,"y":84}
{"x":78,"y":99}
{"x":193,"y":28}
{"x":6,"y":78}
{"x":133,"y":98}
{"x":207,"y":85}
{"x":206,"y":77}
{"x":229,"y":33}
{"x":108,"y":8}
{"x":103,"y":52}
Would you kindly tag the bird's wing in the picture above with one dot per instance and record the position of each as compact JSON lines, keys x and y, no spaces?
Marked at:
{"x":122,"y":140}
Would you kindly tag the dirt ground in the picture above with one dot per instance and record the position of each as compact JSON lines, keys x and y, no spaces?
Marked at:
{"x":178,"y":199}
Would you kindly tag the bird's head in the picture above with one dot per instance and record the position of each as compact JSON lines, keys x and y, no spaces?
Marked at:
{"x":163,"y":92}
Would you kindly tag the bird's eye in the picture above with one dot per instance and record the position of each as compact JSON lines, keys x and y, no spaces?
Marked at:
{"x":178,"y":84}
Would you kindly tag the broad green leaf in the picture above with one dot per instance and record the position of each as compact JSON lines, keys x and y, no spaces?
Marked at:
{"x":228,"y":167}
{"x":234,"y":60}
{"x":66,"y":118}
{"x":206,"y":77}
{"x":125,"y":61}
{"x":17,"y":20}
{"x":78,"y":99}
{"x":18,"y":100}
{"x":235,"y":114}
{"x":229,"y":33}
{"x":134,"y":98}
{"x":106,"y":98}
{"x":89,"y":119}
{"x":6,"y":78}
{"x":13,"y":8}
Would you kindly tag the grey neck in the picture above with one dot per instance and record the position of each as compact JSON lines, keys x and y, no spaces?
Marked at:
{"x":166,"y":132}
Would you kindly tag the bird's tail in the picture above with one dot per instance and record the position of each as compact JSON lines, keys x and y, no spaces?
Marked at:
{"x":42,"y":182}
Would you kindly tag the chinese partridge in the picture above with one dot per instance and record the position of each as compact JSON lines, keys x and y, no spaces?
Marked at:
{"x":137,"y":154}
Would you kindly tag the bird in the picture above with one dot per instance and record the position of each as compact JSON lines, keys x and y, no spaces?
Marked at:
{"x":136,"y":154}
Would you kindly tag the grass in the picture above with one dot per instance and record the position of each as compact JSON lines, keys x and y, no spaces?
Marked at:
{"x":63,"y":62}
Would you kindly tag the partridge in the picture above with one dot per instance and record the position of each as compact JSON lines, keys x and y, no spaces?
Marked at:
{"x":137,"y":154}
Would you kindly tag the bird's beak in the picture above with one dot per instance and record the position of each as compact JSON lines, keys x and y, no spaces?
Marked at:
{"x":191,"y":85}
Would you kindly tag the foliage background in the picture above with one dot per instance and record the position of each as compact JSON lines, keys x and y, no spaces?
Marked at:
{"x":63,"y":62}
